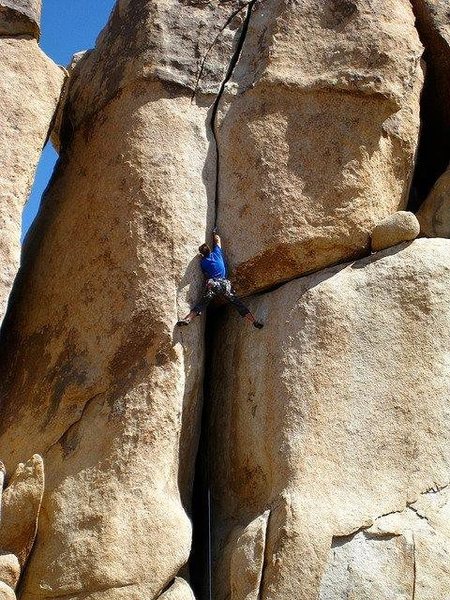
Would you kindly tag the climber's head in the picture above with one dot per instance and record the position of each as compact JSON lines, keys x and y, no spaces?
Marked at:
{"x":204,"y":250}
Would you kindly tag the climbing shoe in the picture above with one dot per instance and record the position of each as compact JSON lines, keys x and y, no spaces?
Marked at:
{"x":183,"y":323}
{"x":258,"y":324}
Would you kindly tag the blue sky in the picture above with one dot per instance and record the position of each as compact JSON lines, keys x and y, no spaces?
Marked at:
{"x":68,"y":26}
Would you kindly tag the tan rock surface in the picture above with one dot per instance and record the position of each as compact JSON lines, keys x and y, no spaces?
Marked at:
{"x":103,"y":386}
{"x":178,"y":591}
{"x":111,"y":398}
{"x":9,"y":570}
{"x":21,"y":504}
{"x":20,"y":17}
{"x":30,"y":84}
{"x":317,"y":132}
{"x":334,"y":415}
{"x":410,"y":548}
{"x":185,"y":43}
{"x":247,"y":560}
{"x":402,"y":226}
{"x":6,"y":593}
{"x":434,"y":214}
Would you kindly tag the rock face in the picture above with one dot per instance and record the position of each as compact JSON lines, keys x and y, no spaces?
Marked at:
{"x":9,"y":570}
{"x":402,"y":226}
{"x":434,"y":214}
{"x":331,"y":419}
{"x":30,"y":84}
{"x":410,"y":548}
{"x":111,"y":394}
{"x":20,"y":17}
{"x":186,"y":44}
{"x":276,"y":196}
{"x":21,"y":504}
{"x":6,"y":593}
{"x":433,"y":23}
{"x":179,"y":590}
{"x":295,"y":126}
{"x":247,"y":559}
{"x":112,"y":397}
{"x":317,"y":130}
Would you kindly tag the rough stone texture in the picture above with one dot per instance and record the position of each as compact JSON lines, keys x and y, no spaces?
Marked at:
{"x":403,"y":555}
{"x":91,"y":368}
{"x":178,"y":591}
{"x":335,"y":415}
{"x":247,"y":560}
{"x":9,"y":570}
{"x":6,"y":593}
{"x":20,"y":17}
{"x":111,"y":399}
{"x":433,"y":23}
{"x":21,"y":504}
{"x":185,"y":43}
{"x":434,"y":214}
{"x":30,"y":84}
{"x":58,"y":120}
{"x":317,"y":132}
{"x":332,"y":418}
{"x":402,"y":226}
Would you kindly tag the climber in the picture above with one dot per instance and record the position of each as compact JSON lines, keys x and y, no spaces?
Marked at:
{"x":217,"y":284}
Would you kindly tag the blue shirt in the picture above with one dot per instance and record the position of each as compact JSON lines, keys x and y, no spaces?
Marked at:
{"x":213,"y":266}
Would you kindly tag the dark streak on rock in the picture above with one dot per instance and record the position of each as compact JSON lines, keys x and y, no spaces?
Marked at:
{"x":233,"y":62}
{"x":261,"y":594}
{"x":63,"y":437}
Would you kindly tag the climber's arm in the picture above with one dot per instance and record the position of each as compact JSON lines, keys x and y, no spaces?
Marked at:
{"x":217,"y":240}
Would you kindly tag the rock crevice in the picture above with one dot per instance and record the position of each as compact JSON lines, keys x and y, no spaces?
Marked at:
{"x":215,"y":107}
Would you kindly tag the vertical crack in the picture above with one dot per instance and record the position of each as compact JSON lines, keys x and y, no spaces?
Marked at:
{"x":414,"y":566}
{"x":200,"y":563}
{"x":213,"y":43}
{"x":215,"y":108}
{"x":265,"y":560}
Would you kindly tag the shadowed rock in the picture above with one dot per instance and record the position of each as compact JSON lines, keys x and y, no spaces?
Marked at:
{"x":20,"y":17}
{"x":433,"y":24}
{"x":434,"y":214}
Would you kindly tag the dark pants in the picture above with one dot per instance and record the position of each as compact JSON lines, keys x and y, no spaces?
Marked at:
{"x":220,"y":287}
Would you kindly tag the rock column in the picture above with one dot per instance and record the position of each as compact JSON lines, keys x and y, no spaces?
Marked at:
{"x":30,"y":84}
{"x":108,"y":390}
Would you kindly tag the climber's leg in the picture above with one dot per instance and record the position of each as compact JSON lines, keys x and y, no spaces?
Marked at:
{"x":230,"y":295}
{"x":210,"y":292}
